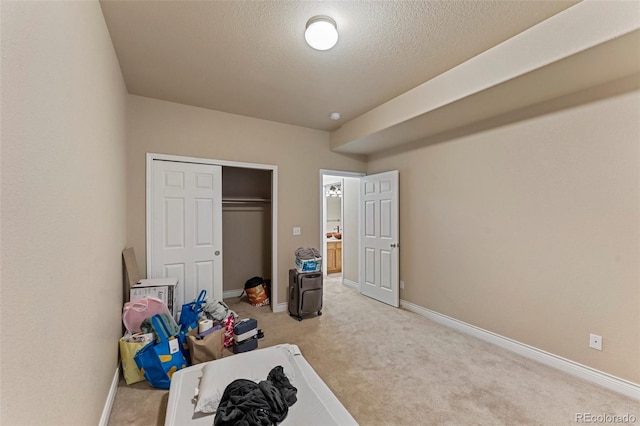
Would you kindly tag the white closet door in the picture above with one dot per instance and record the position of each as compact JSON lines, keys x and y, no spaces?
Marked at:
{"x":186,"y":230}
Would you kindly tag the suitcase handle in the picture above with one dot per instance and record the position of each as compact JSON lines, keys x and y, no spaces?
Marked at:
{"x":314,"y":275}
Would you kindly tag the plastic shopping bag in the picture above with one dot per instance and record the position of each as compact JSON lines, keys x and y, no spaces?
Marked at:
{"x":190,"y":313}
{"x":158,"y":360}
{"x":189,"y":318}
{"x":128,"y":350}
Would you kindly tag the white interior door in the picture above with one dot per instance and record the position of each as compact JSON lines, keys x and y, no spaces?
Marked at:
{"x":186,"y":227}
{"x":379,"y":233}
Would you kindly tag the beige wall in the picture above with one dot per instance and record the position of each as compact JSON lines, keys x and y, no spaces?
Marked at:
{"x":170,"y":128}
{"x":531,"y":230}
{"x":246,"y":244}
{"x":63,"y":214}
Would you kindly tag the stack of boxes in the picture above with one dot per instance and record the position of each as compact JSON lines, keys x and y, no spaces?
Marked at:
{"x":245,"y":335}
{"x":160,"y":288}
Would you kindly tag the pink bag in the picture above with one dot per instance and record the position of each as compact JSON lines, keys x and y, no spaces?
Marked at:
{"x":137,"y":311}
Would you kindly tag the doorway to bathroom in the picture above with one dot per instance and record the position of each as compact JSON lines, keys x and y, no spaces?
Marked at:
{"x":339,"y":226}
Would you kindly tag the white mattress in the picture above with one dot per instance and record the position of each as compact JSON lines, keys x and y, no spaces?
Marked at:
{"x":316,"y":404}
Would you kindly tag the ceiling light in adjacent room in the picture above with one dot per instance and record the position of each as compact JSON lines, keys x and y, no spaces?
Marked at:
{"x":321,"y":33}
{"x":335,"y":116}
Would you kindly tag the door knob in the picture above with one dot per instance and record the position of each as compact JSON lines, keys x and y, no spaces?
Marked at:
{"x":217,"y":253}
{"x":394,"y":245}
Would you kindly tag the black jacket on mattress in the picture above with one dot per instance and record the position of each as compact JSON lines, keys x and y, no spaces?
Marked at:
{"x":245,"y":402}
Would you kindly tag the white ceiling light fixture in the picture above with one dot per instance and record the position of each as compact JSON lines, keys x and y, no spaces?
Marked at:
{"x":321,"y":32}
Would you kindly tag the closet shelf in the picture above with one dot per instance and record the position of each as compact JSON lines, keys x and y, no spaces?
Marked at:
{"x":248,"y":200}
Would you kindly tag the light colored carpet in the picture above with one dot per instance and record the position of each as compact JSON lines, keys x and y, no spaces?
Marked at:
{"x":391,"y":366}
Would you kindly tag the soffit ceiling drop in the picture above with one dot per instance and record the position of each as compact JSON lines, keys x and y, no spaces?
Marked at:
{"x":250,"y":58}
{"x":590,"y":50}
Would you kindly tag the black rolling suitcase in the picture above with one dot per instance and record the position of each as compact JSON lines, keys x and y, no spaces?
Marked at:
{"x":305,"y":293}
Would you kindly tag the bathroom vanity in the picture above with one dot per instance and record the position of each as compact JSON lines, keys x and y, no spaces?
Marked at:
{"x":334,"y":256}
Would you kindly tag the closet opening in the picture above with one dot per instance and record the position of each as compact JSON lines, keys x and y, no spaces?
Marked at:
{"x":246,"y":227}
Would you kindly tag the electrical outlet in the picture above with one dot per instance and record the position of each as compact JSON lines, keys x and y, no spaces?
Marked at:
{"x":402,"y":285}
{"x":595,"y":341}
{"x":296,"y":230}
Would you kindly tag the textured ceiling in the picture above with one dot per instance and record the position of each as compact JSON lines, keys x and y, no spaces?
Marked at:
{"x":250,"y":58}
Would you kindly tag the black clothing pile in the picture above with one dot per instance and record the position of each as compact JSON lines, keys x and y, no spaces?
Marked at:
{"x":245,"y":402}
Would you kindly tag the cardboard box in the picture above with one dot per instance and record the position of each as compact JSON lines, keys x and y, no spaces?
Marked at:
{"x":309,"y":265}
{"x":160,"y":288}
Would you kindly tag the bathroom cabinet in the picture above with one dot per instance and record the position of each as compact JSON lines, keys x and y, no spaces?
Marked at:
{"x":334,"y":257}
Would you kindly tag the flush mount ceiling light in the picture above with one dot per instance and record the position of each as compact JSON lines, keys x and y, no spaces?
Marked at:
{"x":321,"y":33}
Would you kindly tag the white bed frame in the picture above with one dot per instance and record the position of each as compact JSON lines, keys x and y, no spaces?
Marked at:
{"x":316,"y":404}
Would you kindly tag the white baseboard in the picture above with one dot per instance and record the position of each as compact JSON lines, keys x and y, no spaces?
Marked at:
{"x":108,"y":405}
{"x":351,"y":284}
{"x":601,"y":378}
{"x":280,"y":307}
{"x":232,"y":293}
